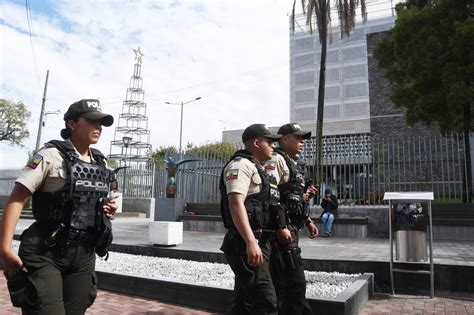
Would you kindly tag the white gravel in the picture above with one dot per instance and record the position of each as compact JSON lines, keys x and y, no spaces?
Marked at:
{"x":319,"y":284}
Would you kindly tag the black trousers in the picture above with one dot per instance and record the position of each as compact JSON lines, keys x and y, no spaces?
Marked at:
{"x":254,"y":292}
{"x":59,"y":282}
{"x":288,"y":277}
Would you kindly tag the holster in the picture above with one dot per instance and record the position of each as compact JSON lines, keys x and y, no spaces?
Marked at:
{"x":287,"y":257}
{"x":104,"y":234}
{"x":22,"y":292}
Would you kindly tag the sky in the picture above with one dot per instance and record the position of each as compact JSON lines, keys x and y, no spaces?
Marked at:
{"x":232,"y":54}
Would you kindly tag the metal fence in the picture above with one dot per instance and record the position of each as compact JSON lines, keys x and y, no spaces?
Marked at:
{"x":138,"y":179}
{"x":364,"y":172}
{"x":197,"y":181}
{"x":358,"y":169}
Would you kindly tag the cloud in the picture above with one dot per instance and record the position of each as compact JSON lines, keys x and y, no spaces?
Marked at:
{"x":234,"y":54}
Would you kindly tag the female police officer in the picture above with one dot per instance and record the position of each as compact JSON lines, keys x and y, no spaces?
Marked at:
{"x":54,"y":271}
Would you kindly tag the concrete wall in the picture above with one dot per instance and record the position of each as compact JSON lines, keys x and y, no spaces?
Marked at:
{"x":7,"y":181}
{"x":142,"y":205}
{"x":385,"y":119}
{"x":378,"y":217}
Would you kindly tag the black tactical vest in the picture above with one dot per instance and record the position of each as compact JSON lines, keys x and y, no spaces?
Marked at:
{"x":295,"y":186}
{"x":263,"y":208}
{"x":75,"y":204}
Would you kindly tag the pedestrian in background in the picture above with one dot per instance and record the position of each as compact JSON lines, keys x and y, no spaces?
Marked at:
{"x":329,"y":215}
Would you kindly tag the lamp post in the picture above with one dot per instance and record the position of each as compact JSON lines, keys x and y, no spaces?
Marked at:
{"x":126,"y":143}
{"x":181,"y":123}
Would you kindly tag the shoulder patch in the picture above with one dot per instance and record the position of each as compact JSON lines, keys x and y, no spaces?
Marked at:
{"x":232,"y":174}
{"x":34,"y":161}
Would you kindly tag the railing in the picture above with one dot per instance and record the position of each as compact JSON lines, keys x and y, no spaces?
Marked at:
{"x":138,"y":180}
{"x":358,"y":172}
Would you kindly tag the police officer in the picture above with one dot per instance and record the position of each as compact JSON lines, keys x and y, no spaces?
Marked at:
{"x":251,"y":212}
{"x":295,"y":192}
{"x":54,"y":271}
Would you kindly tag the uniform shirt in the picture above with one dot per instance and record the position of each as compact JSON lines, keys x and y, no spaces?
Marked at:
{"x":278,"y":168}
{"x":241,"y":176}
{"x":46,"y":170}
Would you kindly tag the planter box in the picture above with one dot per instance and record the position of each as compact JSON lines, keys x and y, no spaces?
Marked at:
{"x":165,"y":233}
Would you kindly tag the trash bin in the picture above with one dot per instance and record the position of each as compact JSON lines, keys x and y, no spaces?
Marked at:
{"x":410,"y":232}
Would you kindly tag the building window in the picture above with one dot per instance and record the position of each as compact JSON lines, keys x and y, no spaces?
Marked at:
{"x":303,"y":44}
{"x":356,"y":110}
{"x":354,"y":53}
{"x":304,"y":78}
{"x":304,"y":96}
{"x":354,"y":71}
{"x":355,"y":90}
{"x":304,"y":114}
{"x":303,"y":61}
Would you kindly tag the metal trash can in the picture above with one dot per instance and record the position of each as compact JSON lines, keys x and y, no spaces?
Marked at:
{"x":410,"y":233}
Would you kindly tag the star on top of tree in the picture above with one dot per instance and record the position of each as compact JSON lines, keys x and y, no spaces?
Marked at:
{"x":138,"y":55}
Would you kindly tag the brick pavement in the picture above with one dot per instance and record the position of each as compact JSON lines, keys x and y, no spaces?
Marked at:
{"x":110,"y":303}
{"x":114,"y":303}
{"x":385,"y":304}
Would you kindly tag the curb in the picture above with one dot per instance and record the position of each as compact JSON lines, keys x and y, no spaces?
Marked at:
{"x":348,"y":302}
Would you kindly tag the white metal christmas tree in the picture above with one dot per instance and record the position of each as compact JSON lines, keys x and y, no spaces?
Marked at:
{"x":132,"y":137}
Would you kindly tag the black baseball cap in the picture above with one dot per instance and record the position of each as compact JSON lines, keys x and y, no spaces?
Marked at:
{"x":294,"y":129}
{"x":90,"y":109}
{"x":258,"y":130}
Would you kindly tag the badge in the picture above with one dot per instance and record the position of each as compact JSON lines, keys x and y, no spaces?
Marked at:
{"x":232,"y":174}
{"x":34,"y":161}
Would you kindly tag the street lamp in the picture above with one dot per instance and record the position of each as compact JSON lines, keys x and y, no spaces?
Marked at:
{"x":181,"y":123}
{"x":126,"y":143}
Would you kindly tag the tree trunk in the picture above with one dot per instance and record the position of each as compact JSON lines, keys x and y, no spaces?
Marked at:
{"x":467,"y":187}
{"x":318,"y":161}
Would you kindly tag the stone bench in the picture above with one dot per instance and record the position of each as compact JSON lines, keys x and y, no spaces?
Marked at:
{"x":204,"y":223}
{"x":343,"y":227}
{"x":453,"y":222}
{"x":204,"y":208}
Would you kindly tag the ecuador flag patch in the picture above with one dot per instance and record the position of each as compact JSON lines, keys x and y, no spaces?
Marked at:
{"x":232,"y":174}
{"x":34,"y":161}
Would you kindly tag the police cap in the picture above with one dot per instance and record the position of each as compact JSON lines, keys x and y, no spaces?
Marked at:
{"x":90,"y":109}
{"x":258,"y":130}
{"x":294,"y":129}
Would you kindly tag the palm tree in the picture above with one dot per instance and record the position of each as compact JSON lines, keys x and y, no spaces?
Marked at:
{"x":320,"y":11}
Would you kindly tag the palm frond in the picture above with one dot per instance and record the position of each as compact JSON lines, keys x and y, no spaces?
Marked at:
{"x":328,"y":19}
{"x":309,"y":14}
{"x":293,"y":18}
{"x":363,"y":10}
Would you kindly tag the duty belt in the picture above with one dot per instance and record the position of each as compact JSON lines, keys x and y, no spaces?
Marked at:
{"x":68,"y":237}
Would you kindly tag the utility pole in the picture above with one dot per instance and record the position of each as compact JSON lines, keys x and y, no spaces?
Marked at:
{"x":40,"y":127}
{"x":181,"y":121}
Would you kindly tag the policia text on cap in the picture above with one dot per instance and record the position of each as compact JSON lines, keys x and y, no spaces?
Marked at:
{"x":54,"y":271}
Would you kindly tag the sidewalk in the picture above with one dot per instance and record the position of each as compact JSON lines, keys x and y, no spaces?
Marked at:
{"x":134,"y":231}
{"x":109,"y":303}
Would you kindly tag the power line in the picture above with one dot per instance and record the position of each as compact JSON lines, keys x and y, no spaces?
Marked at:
{"x":28,"y":17}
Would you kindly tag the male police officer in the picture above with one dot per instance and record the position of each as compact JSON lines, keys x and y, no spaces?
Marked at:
{"x":287,"y":269}
{"x":251,"y":212}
